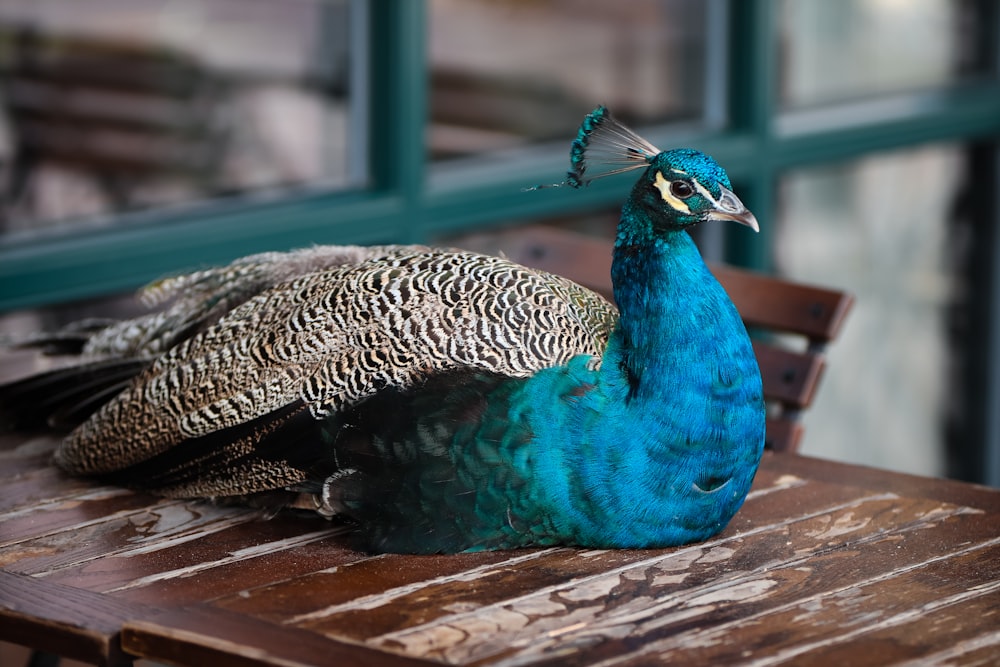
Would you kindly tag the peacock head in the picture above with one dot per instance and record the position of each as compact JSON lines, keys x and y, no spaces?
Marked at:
{"x":679,"y":188}
{"x":683,"y":187}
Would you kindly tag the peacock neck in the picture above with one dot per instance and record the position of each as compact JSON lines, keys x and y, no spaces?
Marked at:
{"x":670,"y":305}
{"x":665,"y":438}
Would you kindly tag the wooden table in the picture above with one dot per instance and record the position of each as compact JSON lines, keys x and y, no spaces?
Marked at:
{"x":825,"y":564}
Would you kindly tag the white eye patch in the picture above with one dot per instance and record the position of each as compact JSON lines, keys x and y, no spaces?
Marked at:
{"x":663,"y":185}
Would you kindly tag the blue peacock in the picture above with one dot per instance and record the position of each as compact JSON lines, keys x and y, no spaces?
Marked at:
{"x":440,"y":400}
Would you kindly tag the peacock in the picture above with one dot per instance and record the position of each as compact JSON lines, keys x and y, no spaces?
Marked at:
{"x":439,"y":400}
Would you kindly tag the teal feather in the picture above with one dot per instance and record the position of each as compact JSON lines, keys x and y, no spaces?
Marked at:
{"x":444,"y":401}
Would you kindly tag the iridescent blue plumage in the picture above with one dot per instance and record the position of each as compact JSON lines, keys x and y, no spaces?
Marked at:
{"x":442,"y":400}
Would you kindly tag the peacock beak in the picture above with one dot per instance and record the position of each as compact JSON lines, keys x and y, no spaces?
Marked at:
{"x":729,"y":207}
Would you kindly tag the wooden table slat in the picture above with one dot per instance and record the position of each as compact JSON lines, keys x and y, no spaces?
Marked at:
{"x":208,"y":636}
{"x":915,"y":595}
{"x":685,"y":586}
{"x":64,"y":620}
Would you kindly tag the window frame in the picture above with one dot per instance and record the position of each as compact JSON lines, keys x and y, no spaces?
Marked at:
{"x":410,"y":199}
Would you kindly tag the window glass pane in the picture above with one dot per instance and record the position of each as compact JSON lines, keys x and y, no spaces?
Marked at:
{"x":892,"y":230}
{"x":849,"y":49}
{"x":111,"y":105}
{"x":505,"y":73}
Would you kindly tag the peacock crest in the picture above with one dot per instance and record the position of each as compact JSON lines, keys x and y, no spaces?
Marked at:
{"x":603,"y":142}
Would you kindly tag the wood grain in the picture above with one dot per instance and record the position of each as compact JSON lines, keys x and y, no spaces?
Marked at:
{"x":235,"y":640}
{"x":65,"y":620}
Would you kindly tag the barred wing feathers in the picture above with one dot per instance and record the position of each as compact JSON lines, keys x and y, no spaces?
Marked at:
{"x":327,"y":339}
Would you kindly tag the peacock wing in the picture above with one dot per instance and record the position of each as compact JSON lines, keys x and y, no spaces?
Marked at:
{"x":327,"y":340}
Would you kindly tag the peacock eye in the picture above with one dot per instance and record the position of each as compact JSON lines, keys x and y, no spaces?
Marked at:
{"x":681,"y":189}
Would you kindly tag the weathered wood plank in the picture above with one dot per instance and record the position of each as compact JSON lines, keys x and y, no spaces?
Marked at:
{"x":806,"y":538}
{"x":199,"y":636}
{"x":151,"y":528}
{"x":229,"y":547}
{"x":677,"y":587}
{"x":887,"y":601}
{"x":982,"y":651}
{"x":878,"y":481}
{"x":375,"y":580}
{"x":78,"y":509}
{"x":269,"y":564}
{"x":38,"y":486}
{"x":966,"y":632}
{"x":100,"y":548}
{"x":63,"y":619}
{"x":400,"y":580}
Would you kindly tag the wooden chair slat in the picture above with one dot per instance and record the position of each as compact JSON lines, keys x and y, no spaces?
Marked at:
{"x":772,"y":303}
{"x":783,"y":435}
{"x":790,"y":378}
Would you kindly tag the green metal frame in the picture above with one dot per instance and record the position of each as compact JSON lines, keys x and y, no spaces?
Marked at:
{"x":410,"y":199}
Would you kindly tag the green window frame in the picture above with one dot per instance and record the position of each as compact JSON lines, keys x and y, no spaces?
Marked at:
{"x":410,"y":199}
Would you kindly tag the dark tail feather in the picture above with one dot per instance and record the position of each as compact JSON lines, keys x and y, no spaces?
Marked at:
{"x":65,"y":397}
{"x":70,"y":339}
{"x":69,"y":415}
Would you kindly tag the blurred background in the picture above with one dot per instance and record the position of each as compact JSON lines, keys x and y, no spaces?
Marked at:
{"x":139,"y":138}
